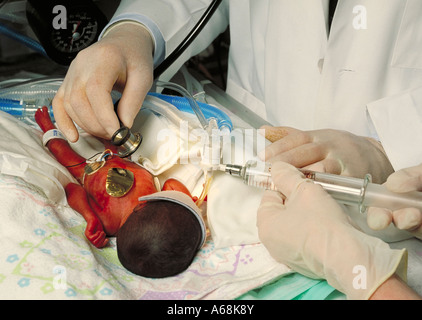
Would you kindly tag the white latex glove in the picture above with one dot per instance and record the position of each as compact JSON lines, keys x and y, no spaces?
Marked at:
{"x":410,"y":219}
{"x":327,"y":150}
{"x":311,"y":233}
{"x":122,"y":60}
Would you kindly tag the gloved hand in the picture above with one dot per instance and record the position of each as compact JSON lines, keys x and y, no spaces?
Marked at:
{"x":331,"y":151}
{"x":410,"y":219}
{"x":309,"y":232}
{"x":122,"y":60}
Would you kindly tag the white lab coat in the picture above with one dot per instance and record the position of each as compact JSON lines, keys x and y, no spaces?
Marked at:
{"x":284,"y":68}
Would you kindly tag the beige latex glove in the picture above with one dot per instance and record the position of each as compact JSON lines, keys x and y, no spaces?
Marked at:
{"x":410,"y":219}
{"x":122,"y":60}
{"x":331,"y":151}
{"x":311,"y":233}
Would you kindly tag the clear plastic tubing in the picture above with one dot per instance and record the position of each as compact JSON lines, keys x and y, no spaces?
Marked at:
{"x":346,"y":190}
{"x":209,"y":111}
{"x":186,"y":94}
{"x":20,"y":109}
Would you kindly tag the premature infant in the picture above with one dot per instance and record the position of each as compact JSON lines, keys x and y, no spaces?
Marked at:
{"x":157,"y":236}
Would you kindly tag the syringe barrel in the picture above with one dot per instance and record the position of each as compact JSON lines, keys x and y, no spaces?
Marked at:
{"x":345,"y":190}
{"x":258,"y":174}
{"x":379,"y":196}
{"x":362,"y":192}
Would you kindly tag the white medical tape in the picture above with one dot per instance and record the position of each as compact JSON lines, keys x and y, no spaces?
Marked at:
{"x":52,"y":134}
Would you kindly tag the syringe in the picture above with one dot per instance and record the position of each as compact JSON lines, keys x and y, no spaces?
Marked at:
{"x":346,"y":190}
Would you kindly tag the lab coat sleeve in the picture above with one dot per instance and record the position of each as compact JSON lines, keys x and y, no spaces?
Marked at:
{"x":170,"y":21}
{"x":398,"y":123}
{"x":157,"y":37}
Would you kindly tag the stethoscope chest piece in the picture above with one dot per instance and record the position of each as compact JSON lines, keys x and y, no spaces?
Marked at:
{"x":126,"y":141}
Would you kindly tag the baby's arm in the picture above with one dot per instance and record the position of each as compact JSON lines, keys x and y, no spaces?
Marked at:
{"x":78,"y":200}
{"x":60,"y":148}
{"x":175,"y":185}
{"x":76,"y":194}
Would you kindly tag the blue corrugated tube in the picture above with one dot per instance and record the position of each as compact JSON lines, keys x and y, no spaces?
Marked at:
{"x":30,"y":43}
{"x":21,"y":110}
{"x":209,"y":111}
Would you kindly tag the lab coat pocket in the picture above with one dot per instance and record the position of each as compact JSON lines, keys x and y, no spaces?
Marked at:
{"x":408,"y":49}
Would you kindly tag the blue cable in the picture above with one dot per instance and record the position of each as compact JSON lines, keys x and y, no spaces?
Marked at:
{"x":30,"y":43}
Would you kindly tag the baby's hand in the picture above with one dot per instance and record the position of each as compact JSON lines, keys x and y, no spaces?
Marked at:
{"x":95,"y":233}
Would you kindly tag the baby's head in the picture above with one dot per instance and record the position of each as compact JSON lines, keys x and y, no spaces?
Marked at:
{"x":162,"y":235}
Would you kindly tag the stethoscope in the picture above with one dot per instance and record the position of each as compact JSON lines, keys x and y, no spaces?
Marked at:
{"x":127,"y":142}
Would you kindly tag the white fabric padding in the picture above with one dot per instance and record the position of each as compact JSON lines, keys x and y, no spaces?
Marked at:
{"x":232,"y":205}
{"x":232,"y":208}
{"x":23,"y":155}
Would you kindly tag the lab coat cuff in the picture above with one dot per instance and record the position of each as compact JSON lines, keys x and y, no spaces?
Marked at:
{"x":151,"y":26}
